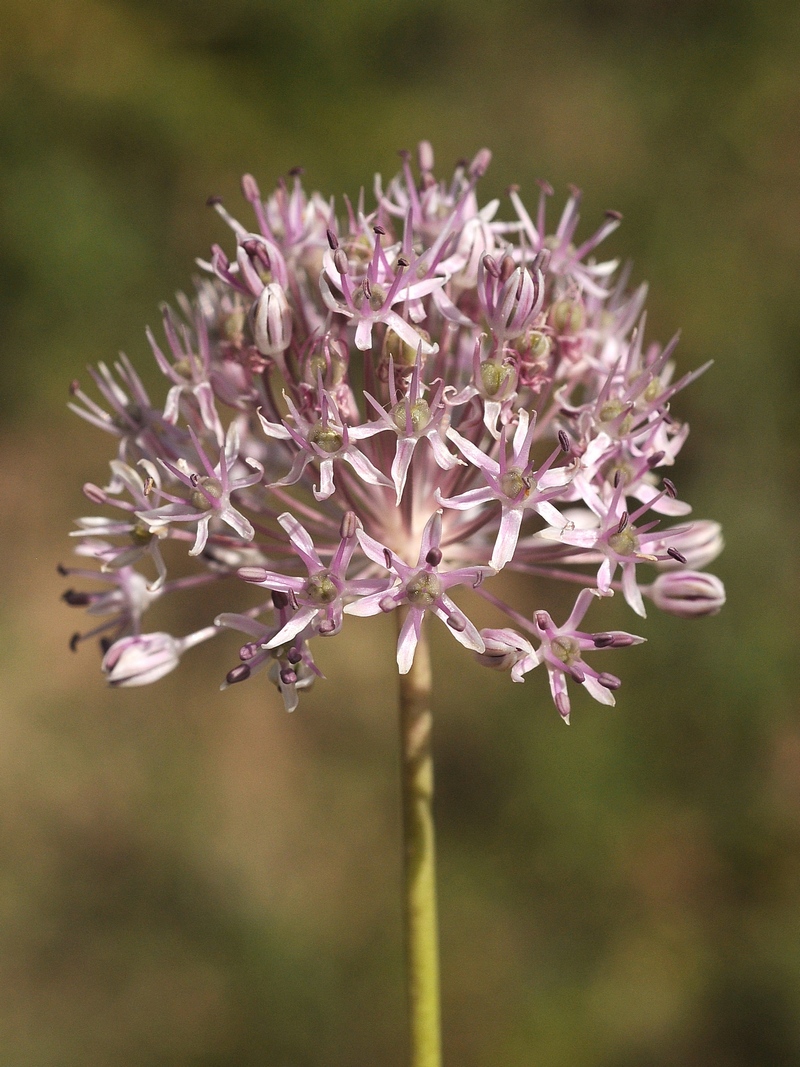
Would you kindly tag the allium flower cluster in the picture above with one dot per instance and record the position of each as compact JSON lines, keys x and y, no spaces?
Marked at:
{"x":381,"y":410}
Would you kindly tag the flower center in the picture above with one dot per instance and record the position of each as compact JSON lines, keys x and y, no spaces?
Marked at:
{"x":624,"y":543}
{"x":567,"y":316}
{"x":423,"y":589}
{"x":420,"y":415}
{"x":141,"y":533}
{"x":376,"y":298}
{"x":566,"y":649}
{"x":320,"y":588}
{"x":494,"y":377}
{"x":213,"y":488}
{"x":326,"y":438}
{"x":513,"y":482}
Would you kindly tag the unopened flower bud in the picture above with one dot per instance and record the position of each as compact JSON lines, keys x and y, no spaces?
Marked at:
{"x":141,"y":659}
{"x":272,"y":321}
{"x":688,"y":594}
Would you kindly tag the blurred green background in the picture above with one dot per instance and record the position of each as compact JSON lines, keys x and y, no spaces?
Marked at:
{"x":195,"y":878}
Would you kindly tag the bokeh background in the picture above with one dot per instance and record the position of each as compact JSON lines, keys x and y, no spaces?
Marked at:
{"x":195,"y":878}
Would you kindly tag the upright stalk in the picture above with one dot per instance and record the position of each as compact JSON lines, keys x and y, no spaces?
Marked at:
{"x":422,"y":939}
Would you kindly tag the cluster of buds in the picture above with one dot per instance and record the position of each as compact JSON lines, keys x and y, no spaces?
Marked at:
{"x":367,"y":412}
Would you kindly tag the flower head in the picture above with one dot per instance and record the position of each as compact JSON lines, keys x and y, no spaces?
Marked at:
{"x":380,"y":408}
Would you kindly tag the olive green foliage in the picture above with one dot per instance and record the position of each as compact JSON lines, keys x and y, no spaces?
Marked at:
{"x":195,"y":878}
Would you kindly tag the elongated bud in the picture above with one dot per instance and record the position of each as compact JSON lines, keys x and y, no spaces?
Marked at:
{"x":272,"y":321}
{"x":688,"y":594}
{"x":140,"y":659}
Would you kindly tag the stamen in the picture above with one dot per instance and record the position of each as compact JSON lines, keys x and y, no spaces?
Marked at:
{"x":239,"y":673}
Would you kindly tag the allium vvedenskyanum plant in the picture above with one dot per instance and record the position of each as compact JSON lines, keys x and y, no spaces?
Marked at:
{"x":368,"y":412}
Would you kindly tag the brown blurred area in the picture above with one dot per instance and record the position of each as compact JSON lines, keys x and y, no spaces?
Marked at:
{"x":189,"y":877}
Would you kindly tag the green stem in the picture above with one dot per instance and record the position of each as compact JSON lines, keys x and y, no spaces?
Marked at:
{"x":422,"y":940}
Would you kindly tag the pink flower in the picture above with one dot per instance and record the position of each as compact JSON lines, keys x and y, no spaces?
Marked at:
{"x":421,"y":589}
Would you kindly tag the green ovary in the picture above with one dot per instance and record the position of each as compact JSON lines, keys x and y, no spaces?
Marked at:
{"x":320,"y":588}
{"x":423,"y":589}
{"x":326,"y":438}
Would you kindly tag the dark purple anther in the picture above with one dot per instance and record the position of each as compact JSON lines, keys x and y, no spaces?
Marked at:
{"x":238,"y":674}
{"x":333,"y":240}
{"x":402,"y":263}
{"x":603,"y":640}
{"x":608,"y":681}
{"x":288,"y":676}
{"x":670,"y":488}
{"x":379,"y":230}
{"x":73,"y":642}
{"x":280,"y":600}
{"x":387,"y":555}
{"x":294,"y":655}
{"x":76,"y":599}
{"x":676,"y":555}
{"x":655,"y":459}
{"x":563,"y":440}
{"x":623,"y":522}
{"x":434,"y":557}
{"x":212,"y":201}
